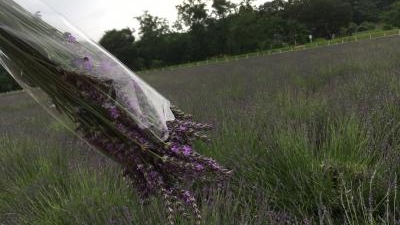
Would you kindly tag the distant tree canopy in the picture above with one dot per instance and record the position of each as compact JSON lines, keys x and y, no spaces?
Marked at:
{"x":215,"y":28}
{"x":207,"y":29}
{"x":121,"y":44}
{"x":392,"y":16}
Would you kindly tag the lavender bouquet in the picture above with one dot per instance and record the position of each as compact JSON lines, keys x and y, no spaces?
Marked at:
{"x":107,"y":105}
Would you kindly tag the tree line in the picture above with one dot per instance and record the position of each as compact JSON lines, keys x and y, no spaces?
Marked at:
{"x":226,"y":28}
{"x":214,"y":28}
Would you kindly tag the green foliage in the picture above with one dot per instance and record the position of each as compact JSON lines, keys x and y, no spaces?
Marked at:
{"x":366,"y":26}
{"x":324,"y":17}
{"x":152,"y":44}
{"x":222,"y":8}
{"x":152,"y":27}
{"x":192,"y":12}
{"x":392,"y":17}
{"x":366,"y":10}
{"x":352,"y":28}
{"x":121,"y":44}
{"x":387,"y":27}
{"x":228,"y":28}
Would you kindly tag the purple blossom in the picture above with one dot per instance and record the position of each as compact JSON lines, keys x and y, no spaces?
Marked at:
{"x":175,"y":148}
{"x":87,"y":64}
{"x":114,"y":112}
{"x":187,"y":196}
{"x":215,"y":165}
{"x":186,"y":150}
{"x":199,"y":167}
{"x":140,"y":167}
{"x":82,"y":63}
{"x":69,"y":38}
{"x":121,"y":127}
{"x":182,"y":128}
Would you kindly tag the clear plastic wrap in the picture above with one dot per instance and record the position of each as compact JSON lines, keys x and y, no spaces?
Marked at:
{"x":49,"y":34}
{"x":106,"y":104}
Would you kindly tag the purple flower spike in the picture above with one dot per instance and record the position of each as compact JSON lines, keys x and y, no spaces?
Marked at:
{"x":69,"y":38}
{"x":114,"y":112}
{"x":199,"y":167}
{"x":186,"y":196}
{"x":82,"y":63}
{"x":175,"y":148}
{"x":182,"y":128}
{"x":186,"y":150}
{"x":87,"y":64}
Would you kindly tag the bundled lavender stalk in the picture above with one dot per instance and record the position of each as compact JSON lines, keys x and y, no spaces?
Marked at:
{"x":111,"y":108}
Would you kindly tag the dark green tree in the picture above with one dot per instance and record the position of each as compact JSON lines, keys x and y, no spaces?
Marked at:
{"x":272,"y":7}
{"x":152,"y":44}
{"x":323,"y":17}
{"x":384,"y":5}
{"x":392,"y":17}
{"x":365,"y":10}
{"x":120,"y":43}
{"x":193,"y":13}
{"x":152,"y":27}
{"x":236,"y":29}
{"x":243,"y":30}
{"x":222,"y":8}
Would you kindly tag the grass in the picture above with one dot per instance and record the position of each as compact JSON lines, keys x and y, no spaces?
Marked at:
{"x":313,"y":137}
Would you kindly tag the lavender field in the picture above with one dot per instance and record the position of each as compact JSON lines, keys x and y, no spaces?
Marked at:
{"x":312,"y":137}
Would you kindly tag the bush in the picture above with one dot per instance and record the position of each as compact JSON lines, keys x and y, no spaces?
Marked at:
{"x":387,"y":27}
{"x":352,"y":27}
{"x":366,"y":26}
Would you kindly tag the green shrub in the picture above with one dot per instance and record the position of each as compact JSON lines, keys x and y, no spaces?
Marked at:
{"x":350,"y":29}
{"x":387,"y":27}
{"x":366,"y":26}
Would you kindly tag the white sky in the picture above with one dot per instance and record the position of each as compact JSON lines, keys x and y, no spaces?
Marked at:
{"x":94,"y":17}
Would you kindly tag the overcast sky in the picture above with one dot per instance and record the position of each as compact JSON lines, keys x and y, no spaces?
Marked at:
{"x":94,"y":17}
